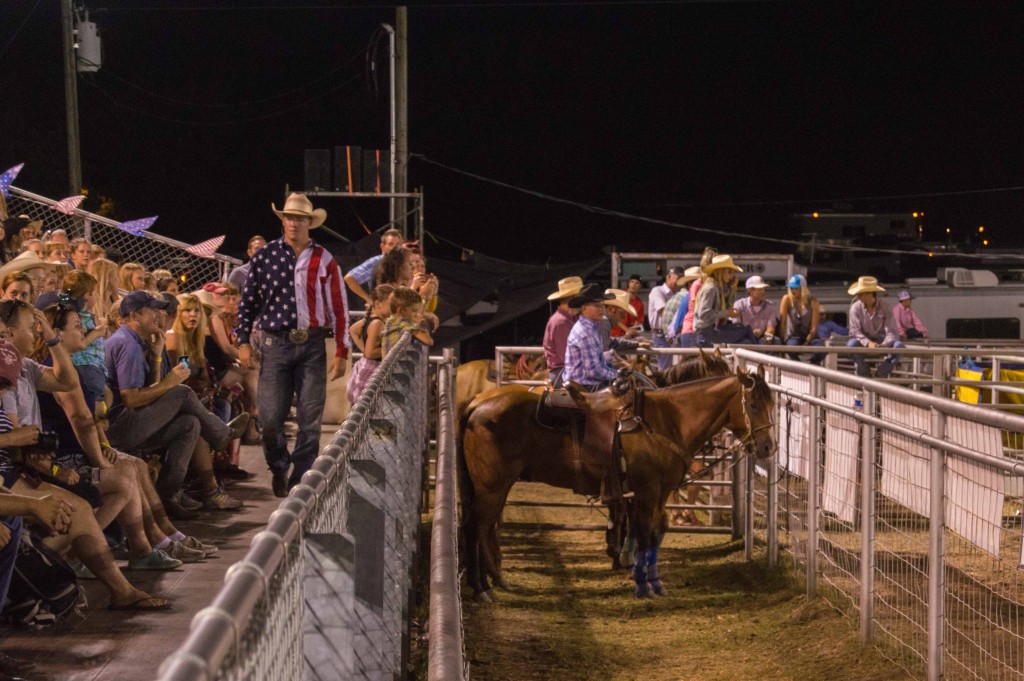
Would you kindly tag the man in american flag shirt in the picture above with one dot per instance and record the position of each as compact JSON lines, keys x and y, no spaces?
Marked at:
{"x":294,"y":295}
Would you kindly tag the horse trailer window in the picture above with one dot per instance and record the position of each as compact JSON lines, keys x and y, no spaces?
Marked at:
{"x":998,"y":327}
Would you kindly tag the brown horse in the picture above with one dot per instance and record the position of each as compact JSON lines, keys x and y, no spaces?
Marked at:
{"x":479,"y":375}
{"x":502,"y":442}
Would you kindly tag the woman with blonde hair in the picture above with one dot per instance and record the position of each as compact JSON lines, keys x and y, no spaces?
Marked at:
{"x":108,"y":283}
{"x":187,"y":337}
{"x":711,"y":315}
{"x":133,"y":276}
{"x":798,"y":317}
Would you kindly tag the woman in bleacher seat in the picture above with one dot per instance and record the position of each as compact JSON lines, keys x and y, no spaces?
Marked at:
{"x":107,"y":284}
{"x":17,"y":286}
{"x":132,"y":276}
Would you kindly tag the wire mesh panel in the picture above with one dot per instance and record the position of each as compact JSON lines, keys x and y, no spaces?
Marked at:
{"x":152,"y":250}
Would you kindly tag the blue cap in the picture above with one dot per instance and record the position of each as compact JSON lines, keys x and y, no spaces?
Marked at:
{"x":796,"y":281}
{"x":136,"y":300}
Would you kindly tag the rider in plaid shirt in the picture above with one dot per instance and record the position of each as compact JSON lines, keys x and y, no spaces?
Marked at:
{"x":586,"y":361}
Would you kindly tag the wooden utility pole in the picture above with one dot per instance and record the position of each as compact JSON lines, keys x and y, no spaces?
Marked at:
{"x":402,"y":114}
{"x":67,"y":15}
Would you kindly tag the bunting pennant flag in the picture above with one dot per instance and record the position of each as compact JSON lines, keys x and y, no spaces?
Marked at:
{"x":8,"y":177}
{"x":136,"y":227}
{"x":207,"y":248}
{"x":68,"y":205}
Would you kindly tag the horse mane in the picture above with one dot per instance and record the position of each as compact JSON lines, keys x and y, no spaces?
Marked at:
{"x":690,"y":369}
{"x":758,"y":386}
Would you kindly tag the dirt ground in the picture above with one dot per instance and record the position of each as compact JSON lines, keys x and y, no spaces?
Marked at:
{"x":568,"y":616}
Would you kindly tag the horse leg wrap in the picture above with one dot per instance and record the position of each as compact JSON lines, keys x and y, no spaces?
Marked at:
{"x":653,"y":579}
{"x":640,"y":576}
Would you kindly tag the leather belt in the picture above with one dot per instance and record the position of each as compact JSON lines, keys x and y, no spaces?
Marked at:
{"x":298,"y":336}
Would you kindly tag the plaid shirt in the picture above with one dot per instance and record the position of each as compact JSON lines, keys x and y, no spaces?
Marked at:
{"x":363,"y":272}
{"x":94,"y":353}
{"x":585,"y":359}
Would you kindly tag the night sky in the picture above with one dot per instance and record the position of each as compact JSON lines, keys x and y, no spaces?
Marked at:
{"x":724,"y":115}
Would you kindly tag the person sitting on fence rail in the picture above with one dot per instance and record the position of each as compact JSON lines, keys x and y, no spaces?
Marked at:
{"x":367,"y":334}
{"x":685,"y":338}
{"x":798,"y":317}
{"x":556,"y":332}
{"x":294,"y":314}
{"x":711,"y":317}
{"x":361,"y":278}
{"x":908,"y":325}
{"x":757,"y":312}
{"x":871,"y":326}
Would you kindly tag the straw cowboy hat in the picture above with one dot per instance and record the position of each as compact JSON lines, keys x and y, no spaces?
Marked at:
{"x":621,"y":300}
{"x":722,"y":262}
{"x":299,"y":204}
{"x":26,"y":261}
{"x":691,"y":274}
{"x":567,"y":287}
{"x":865,"y":285}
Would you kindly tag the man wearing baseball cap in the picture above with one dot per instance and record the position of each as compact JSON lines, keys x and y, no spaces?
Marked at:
{"x":154,"y":413}
{"x":757,"y":312}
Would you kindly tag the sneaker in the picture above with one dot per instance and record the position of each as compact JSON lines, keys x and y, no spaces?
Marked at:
{"x":188,"y":502}
{"x":193,"y":543}
{"x":221,"y":501}
{"x":154,"y":560}
{"x":179,"y":551}
{"x":232,"y":472}
{"x":884,"y":369}
{"x":175,"y":511}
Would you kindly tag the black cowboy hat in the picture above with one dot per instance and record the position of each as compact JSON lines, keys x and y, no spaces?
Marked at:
{"x":591,"y":293}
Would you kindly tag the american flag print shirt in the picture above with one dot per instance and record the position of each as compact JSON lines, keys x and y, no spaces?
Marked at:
{"x":283,"y":292}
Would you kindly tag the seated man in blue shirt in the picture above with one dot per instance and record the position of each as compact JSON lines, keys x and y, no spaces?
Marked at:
{"x":587,"y":359}
{"x":151,"y":412}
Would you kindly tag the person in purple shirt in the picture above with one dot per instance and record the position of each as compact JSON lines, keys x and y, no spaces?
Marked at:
{"x":871,"y":326}
{"x":908,"y":324}
{"x":556,"y":333}
{"x":586,"y":356}
{"x":757,"y":312}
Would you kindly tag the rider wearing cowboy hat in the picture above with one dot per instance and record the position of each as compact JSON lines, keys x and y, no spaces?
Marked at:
{"x":587,"y":358}
{"x":556,"y":333}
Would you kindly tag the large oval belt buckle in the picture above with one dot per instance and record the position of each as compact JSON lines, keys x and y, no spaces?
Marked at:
{"x":298,"y":336}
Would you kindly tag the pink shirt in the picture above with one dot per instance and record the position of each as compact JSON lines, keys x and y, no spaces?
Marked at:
{"x":556,"y":337}
{"x":688,"y":319}
{"x":906,"y":318}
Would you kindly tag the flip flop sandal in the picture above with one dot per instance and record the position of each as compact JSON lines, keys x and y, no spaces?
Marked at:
{"x":139,"y":605}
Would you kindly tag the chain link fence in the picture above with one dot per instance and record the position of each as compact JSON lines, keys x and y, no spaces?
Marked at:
{"x":903,"y":510}
{"x":151,"y":250}
{"x":323,"y":592}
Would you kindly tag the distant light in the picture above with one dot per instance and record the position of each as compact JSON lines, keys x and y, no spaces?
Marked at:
{"x":914,"y":214}
{"x":930,"y":254}
{"x":182,"y":277}
{"x":985,"y":242}
{"x":947,"y":230}
{"x":981,"y":229}
{"x":922,"y":214}
{"x":814,"y":215}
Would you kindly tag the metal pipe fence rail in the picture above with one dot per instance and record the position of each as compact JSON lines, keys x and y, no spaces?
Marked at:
{"x":902,"y":509}
{"x":323,"y":591}
{"x":150,"y":249}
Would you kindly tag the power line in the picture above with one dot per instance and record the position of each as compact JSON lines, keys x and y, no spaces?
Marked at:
{"x":598,"y":210}
{"x":445,"y":5}
{"x":20,"y":26}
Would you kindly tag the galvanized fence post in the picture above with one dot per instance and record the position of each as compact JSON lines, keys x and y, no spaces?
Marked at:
{"x":936,"y":551}
{"x":816,"y":425}
{"x":867,"y":518}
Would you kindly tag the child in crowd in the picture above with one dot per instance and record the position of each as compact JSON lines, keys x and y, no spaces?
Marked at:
{"x":406,"y":315}
{"x":366,"y":335}
{"x":908,"y":325}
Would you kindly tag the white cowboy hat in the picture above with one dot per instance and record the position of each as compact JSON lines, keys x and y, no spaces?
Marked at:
{"x":567,"y":287}
{"x":865,"y":285}
{"x":691,"y":274}
{"x":621,"y":300}
{"x":721,"y":262}
{"x":25,"y":261}
{"x":299,"y":204}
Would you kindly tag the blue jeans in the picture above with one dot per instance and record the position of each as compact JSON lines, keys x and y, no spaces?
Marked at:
{"x":860,"y":361}
{"x":658,"y":340}
{"x":9,"y":553}
{"x":816,"y":358}
{"x":292,"y":369}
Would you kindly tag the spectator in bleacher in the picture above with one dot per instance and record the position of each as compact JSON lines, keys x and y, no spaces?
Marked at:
{"x":168,"y":285}
{"x":908,"y":325}
{"x":12,"y":236}
{"x":872,"y":326}
{"x":56,"y":252}
{"x":677,"y":306}
{"x":58,"y":235}
{"x":361,"y":278}
{"x":32,"y":266}
{"x":294,"y":325}
{"x":53,"y":278}
{"x":556,"y":332}
{"x":132,"y":277}
{"x":108,"y":284}
{"x":97,"y":252}
{"x":715,"y":305}
{"x":84,"y":537}
{"x":17,"y":286}
{"x":757,"y":312}
{"x":34,"y":245}
{"x":149,"y":412}
{"x":656,"y":302}
{"x":239,"y":274}
{"x":799,"y":316}
{"x":81,"y":254}
{"x":89,"y":362}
